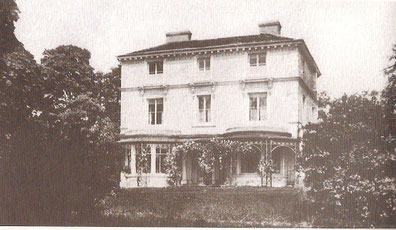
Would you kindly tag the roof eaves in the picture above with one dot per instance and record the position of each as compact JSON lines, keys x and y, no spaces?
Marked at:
{"x":311,"y":57}
{"x":143,"y":53}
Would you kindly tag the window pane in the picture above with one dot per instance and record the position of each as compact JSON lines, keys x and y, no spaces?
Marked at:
{"x":253,"y":60}
{"x":159,"y":118}
{"x":262,"y":114}
{"x":148,"y":166}
{"x":262,"y":59}
{"x":263,"y":108}
{"x":160,"y":67}
{"x":157,"y":163}
{"x":253,"y":102}
{"x":207,"y":101}
{"x":201,"y":64}
{"x":208,"y":64}
{"x":253,"y":114}
{"x":163,"y":166}
{"x":152,"y":68}
{"x":152,"y":118}
{"x":151,"y":107}
{"x":207,"y":115}
{"x":263,"y":101}
{"x":201,"y":102}
{"x":160,"y":108}
{"x":201,"y":115}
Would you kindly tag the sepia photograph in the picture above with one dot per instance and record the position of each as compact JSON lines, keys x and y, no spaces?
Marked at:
{"x":248,"y":114}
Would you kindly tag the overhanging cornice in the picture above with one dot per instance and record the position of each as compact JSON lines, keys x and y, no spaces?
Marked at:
{"x":210,"y":49}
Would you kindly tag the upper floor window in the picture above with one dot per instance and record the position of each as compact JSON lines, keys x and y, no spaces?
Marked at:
{"x":204,"y":105}
{"x":155,"y":110}
{"x":160,"y":154}
{"x":204,"y":63}
{"x":257,"y":59}
{"x":156,"y":67}
{"x":257,"y":106}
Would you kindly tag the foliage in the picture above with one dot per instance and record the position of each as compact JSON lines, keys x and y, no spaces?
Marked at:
{"x":264,"y":169}
{"x":108,"y":93}
{"x":389,"y":93}
{"x":21,"y":136}
{"x":67,"y":74}
{"x":349,"y":159}
{"x":8,"y":16}
{"x":207,"y":206}
{"x":143,"y":161}
{"x":174,"y":160}
{"x":214,"y":154}
{"x":58,"y":142}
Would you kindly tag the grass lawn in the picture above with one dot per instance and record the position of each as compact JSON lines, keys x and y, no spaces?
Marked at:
{"x":206,"y":207}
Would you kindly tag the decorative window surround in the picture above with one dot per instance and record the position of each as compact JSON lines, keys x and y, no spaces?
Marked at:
{"x":269,"y":82}
{"x":163,"y":88}
{"x":210,"y":84}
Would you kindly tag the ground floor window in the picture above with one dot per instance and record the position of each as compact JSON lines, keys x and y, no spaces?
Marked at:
{"x":160,"y":154}
{"x":143,"y":158}
{"x":249,"y":162}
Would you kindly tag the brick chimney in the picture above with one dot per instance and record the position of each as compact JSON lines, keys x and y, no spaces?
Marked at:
{"x":178,"y":36}
{"x":271,"y":27}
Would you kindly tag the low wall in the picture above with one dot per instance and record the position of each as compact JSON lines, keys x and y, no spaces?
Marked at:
{"x":253,"y":179}
{"x":144,"y":180}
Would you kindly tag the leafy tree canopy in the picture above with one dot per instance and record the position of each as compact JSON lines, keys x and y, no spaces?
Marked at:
{"x":349,"y":161}
{"x":8,"y":16}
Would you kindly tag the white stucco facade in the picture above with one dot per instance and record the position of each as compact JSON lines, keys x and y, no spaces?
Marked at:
{"x":288,"y":81}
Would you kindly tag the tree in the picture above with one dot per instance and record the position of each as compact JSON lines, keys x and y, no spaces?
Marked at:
{"x":21,"y":136}
{"x":348,"y":160}
{"x":82,"y":133}
{"x":8,"y":16}
{"x":108,"y":93}
{"x":389,"y":93}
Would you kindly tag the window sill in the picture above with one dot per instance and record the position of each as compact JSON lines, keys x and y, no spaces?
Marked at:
{"x":258,"y":122}
{"x":203,"y":125}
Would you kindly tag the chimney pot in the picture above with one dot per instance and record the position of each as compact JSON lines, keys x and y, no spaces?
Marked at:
{"x":178,"y":36}
{"x":270,"y":27}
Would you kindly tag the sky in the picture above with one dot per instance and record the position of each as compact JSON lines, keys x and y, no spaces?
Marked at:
{"x":351,"y":41}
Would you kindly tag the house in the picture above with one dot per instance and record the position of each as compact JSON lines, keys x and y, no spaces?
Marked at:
{"x":257,"y":88}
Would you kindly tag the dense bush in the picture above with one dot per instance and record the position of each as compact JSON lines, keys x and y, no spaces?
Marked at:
{"x":349,"y":158}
